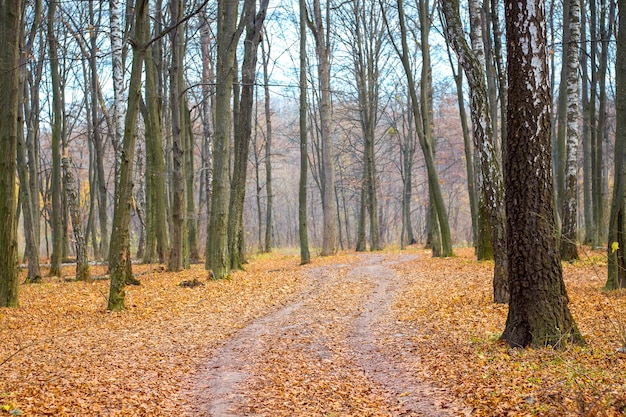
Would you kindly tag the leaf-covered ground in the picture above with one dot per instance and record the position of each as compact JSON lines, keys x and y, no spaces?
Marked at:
{"x":62,"y":353}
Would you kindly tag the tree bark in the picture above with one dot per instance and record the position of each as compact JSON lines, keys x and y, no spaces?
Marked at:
{"x":177,"y":37}
{"x":569,"y":210}
{"x":117,"y":67}
{"x":425,"y":143}
{"x":269,"y":203}
{"x":82,"y":263}
{"x":367,"y":48}
{"x":57,"y":131}
{"x":254,"y":25}
{"x":10,"y":22}
{"x":616,"y":277}
{"x":218,"y":259}
{"x":120,"y":266}
{"x":155,"y":164}
{"x":305,"y":256}
{"x":29,"y":202}
{"x":538,"y":309}
{"x":472,"y":61}
{"x":329,"y":204}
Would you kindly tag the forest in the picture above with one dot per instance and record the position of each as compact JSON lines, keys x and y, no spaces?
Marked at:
{"x":199,"y":140}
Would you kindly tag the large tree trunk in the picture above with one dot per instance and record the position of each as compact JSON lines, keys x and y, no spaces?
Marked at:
{"x":538,"y":309}
{"x":472,"y":61}
{"x":10,"y":22}
{"x":569,"y":209}
{"x":617,"y":231}
{"x":305,"y":256}
{"x":120,"y":266}
{"x":218,"y":259}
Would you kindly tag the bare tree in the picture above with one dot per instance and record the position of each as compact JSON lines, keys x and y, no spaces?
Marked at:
{"x":218,"y":260}
{"x":254,"y":25}
{"x":120,"y":266}
{"x":318,"y":22}
{"x":305,"y":256}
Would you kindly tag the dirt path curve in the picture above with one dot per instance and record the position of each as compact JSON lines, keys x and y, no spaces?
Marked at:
{"x":324,"y":354}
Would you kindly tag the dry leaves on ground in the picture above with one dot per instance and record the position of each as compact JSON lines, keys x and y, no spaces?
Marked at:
{"x":62,"y":353}
{"x":446,"y":308}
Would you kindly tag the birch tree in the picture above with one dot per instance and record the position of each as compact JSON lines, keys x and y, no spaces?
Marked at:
{"x":569,"y":210}
{"x":538,"y":309}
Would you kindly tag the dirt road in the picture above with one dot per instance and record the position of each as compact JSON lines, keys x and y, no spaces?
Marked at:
{"x":332,"y":351}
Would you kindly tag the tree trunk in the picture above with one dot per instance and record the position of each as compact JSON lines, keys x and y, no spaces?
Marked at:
{"x":433,"y":177}
{"x":10,"y":22}
{"x":57,"y":127}
{"x":269,"y":203}
{"x":254,"y":25}
{"x":569,"y":211}
{"x":367,"y":54}
{"x":29,"y":202}
{"x":155,"y":164}
{"x":177,"y":36}
{"x":538,"y":309}
{"x":117,"y":67}
{"x":82,"y":263}
{"x":208,"y":112}
{"x":586,"y":136}
{"x":218,"y":259}
{"x":469,"y":159}
{"x":120,"y":266}
{"x":472,"y":61}
{"x":192,"y":253}
{"x":616,"y":277}
{"x":305,"y":256}
{"x":329,"y":204}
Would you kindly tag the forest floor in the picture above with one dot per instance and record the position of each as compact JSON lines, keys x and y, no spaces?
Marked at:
{"x":376,"y":334}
